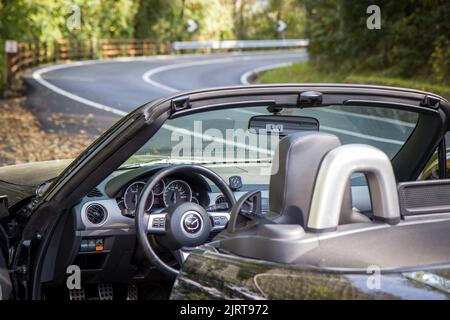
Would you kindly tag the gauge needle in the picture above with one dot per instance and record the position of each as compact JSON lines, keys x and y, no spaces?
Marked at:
{"x":174,"y":197}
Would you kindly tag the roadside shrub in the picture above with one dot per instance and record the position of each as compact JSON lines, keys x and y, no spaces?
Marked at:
{"x":413,"y":40}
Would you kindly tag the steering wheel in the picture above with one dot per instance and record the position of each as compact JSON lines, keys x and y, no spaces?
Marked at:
{"x":182,"y":225}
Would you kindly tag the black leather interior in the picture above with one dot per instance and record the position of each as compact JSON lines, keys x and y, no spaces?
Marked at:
{"x":296,"y":163}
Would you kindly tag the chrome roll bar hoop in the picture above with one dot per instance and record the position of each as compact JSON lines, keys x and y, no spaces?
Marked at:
{"x":335,"y":171}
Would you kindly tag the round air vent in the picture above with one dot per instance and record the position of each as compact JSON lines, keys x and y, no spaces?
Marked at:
{"x":96,"y":213}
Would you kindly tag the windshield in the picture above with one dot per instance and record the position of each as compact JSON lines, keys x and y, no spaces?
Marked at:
{"x":222,"y":136}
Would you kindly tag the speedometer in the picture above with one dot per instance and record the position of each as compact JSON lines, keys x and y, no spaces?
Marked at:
{"x":132,"y":194}
{"x":177,"y":191}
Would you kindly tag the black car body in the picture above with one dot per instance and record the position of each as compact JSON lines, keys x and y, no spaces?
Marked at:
{"x":275,"y":250}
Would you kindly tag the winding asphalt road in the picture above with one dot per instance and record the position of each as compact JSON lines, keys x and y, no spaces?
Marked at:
{"x":126,"y":83}
{"x":109,"y":89}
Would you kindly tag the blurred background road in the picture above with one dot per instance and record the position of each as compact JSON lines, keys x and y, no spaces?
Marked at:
{"x":124,"y":84}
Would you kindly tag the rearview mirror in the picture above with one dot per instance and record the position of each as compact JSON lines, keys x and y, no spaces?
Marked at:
{"x":282,"y":125}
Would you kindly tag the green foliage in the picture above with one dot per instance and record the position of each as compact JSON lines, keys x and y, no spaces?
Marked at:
{"x":162,"y":20}
{"x":307,"y":73}
{"x":47,"y":20}
{"x":154,"y":19}
{"x":413,"y":40}
{"x":218,"y":19}
{"x":257,"y":20}
{"x":214,"y":17}
{"x":440,"y":59}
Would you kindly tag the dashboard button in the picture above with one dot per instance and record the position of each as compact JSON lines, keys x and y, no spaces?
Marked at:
{"x":91,"y":245}
{"x":84,"y":246}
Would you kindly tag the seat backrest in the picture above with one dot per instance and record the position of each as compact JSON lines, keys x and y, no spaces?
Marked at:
{"x":295,"y":166}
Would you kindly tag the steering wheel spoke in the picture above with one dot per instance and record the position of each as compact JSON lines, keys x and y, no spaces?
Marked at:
{"x":219,"y":219}
{"x":157,"y":223}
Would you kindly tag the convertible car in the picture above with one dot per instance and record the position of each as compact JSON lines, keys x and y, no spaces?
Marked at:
{"x":299,"y":191}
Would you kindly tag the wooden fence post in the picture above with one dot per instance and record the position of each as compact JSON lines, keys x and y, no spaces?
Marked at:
{"x":11,"y":50}
{"x":93,"y":45}
{"x":32,"y":53}
{"x":56,"y":51}
{"x":8,"y":72}
{"x":45,"y":54}
{"x":37,"y":49}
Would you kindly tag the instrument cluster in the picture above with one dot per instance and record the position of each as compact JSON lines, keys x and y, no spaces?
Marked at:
{"x":167,"y":192}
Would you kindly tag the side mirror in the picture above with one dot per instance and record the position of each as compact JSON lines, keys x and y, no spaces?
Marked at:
{"x":246,"y":213}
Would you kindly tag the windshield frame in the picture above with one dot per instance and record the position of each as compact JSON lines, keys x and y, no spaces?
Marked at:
{"x":332,"y":118}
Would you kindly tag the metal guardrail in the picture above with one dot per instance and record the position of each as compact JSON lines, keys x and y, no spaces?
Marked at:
{"x":22,"y":55}
{"x":239,"y":44}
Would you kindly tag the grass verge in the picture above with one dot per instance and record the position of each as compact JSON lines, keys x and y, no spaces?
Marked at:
{"x":304,"y":72}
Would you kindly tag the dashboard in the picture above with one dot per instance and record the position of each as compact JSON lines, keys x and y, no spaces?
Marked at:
{"x":101,"y":229}
{"x":112,"y":204}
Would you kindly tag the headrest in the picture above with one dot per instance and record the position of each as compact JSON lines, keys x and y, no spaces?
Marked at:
{"x":295,"y":166}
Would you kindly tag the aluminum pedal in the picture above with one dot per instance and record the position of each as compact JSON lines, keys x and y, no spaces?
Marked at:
{"x":105,"y":291}
{"x":77,"y":294}
{"x":132,"y":292}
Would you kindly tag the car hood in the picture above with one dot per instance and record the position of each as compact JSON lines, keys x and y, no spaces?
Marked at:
{"x":20,"y":181}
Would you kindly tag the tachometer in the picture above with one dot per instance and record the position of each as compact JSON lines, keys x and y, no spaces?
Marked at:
{"x":177,"y":191}
{"x":132,"y":194}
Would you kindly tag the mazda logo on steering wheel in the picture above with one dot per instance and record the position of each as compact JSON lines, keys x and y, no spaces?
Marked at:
{"x":192,"y":223}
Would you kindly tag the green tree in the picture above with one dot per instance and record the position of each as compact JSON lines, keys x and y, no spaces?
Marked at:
{"x":413,"y":40}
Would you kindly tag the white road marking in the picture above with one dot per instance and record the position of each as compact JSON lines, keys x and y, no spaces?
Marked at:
{"x":37,"y":75}
{"x":147,"y":76}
